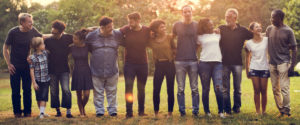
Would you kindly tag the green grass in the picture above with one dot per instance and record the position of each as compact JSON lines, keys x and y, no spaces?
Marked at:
{"x":247,"y":115}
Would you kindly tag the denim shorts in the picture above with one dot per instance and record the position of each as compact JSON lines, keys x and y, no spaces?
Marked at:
{"x":42,"y":93}
{"x":259,"y":73}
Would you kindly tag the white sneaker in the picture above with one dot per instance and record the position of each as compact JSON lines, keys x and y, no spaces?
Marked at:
{"x":222,"y":115}
{"x":41,"y":116}
{"x":208,"y":114}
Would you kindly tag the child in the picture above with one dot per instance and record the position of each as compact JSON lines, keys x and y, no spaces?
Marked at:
{"x":39,"y":73}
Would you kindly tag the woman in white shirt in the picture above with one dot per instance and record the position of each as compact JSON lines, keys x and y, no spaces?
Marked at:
{"x":210,"y":64}
{"x":257,"y":66}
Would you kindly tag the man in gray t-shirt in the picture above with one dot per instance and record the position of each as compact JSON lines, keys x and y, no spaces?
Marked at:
{"x":186,"y":59}
{"x":281,"y":40}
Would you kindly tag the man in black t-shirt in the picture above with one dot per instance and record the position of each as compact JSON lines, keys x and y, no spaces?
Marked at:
{"x":58,"y":46}
{"x":15,"y":51}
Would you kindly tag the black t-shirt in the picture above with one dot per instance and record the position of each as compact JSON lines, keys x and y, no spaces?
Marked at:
{"x":20,"y":45}
{"x":59,"y":50}
{"x":232,"y":42}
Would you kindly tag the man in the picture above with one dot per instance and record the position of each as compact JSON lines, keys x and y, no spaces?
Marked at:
{"x":232,"y":40}
{"x":281,"y":40}
{"x":136,"y":37}
{"x":16,"y":50}
{"x":103,"y":43}
{"x":186,"y":58}
{"x":58,"y":46}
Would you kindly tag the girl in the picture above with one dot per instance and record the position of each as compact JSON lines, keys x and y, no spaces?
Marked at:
{"x":39,"y":73}
{"x":81,"y":78}
{"x":257,"y":62}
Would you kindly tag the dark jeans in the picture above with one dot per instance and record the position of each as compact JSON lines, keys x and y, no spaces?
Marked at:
{"x":15,"y":83}
{"x":63,"y":79}
{"x":214,"y":71}
{"x":163,"y":69}
{"x":130,"y":72}
{"x":236,"y":71}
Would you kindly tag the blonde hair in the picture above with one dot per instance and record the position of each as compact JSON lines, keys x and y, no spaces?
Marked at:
{"x":22,"y":17}
{"x":233,"y":10}
{"x":36,"y":42}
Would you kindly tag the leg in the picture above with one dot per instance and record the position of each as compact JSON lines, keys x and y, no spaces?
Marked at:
{"x":86,"y":95}
{"x":66,"y":93}
{"x":226,"y":89}
{"x":157,"y":82}
{"x":129,"y":75}
{"x":54,"y":91}
{"x":180,"y":77}
{"x":275,"y":86}
{"x":79,"y":101}
{"x":170,"y":76}
{"x":111,"y":93}
{"x":15,"y":83}
{"x":217,"y":81}
{"x":193,"y":76}
{"x":284,"y":82}
{"x":98,"y":94}
{"x":26,"y":85}
{"x":237,"y":79}
{"x":205,"y":72}
{"x":142,"y":74}
{"x":256,"y":87}
{"x":264,"y":88}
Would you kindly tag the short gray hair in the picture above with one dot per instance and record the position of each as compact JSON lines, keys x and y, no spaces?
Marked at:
{"x":233,"y":10}
{"x":22,"y":17}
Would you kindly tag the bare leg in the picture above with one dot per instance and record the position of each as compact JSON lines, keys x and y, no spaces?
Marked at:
{"x":79,"y":101}
{"x":256,"y":86}
{"x":264,"y":87}
{"x":86,"y":95}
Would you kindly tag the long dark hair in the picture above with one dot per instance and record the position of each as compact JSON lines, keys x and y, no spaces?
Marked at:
{"x":81,"y":34}
{"x":203,"y":26}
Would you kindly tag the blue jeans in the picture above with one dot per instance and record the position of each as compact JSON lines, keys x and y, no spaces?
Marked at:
{"x":236,"y":71}
{"x":214,"y":71}
{"x":190,"y":68}
{"x":64,"y":79}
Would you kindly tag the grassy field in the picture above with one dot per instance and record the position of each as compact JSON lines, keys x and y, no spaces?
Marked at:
{"x":247,"y":115}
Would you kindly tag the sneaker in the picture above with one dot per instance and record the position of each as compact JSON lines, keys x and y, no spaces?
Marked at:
{"x":41,"y":116}
{"x":129,"y":115}
{"x":113,"y":114}
{"x":208,"y":114}
{"x":58,"y":114}
{"x":222,"y":115}
{"x":69,"y":116}
{"x":99,"y":115}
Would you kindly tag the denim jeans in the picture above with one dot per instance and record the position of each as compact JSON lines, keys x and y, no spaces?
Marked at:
{"x":236,"y":71}
{"x":109,"y":86}
{"x":15,"y":83}
{"x":63,"y":79}
{"x":190,"y":68}
{"x":140,"y":71}
{"x":214,"y":71}
{"x":163,"y":69}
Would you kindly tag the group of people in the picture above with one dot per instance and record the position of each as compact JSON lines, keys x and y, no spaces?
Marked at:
{"x":221,"y":55}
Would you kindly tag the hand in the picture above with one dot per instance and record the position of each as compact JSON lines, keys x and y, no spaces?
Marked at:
{"x":29,"y":60}
{"x":35,"y":86}
{"x":217,"y":31}
{"x":11,"y":69}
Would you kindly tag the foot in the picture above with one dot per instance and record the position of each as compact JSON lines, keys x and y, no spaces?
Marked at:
{"x":156,"y":113}
{"x":41,"y":116}
{"x":18,"y":115}
{"x":279,"y":115}
{"x":169,"y":115}
{"x":113,"y":114}
{"x":236,"y":110}
{"x":182,"y":114}
{"x":227,"y":114}
{"x":27,"y":114}
{"x":142,"y":114}
{"x":46,"y":115}
{"x":69,"y":116}
{"x":129,"y":115}
{"x":99,"y":115}
{"x":58,"y":114}
{"x":222,"y":115}
{"x":195,"y":114}
{"x":208,"y":114}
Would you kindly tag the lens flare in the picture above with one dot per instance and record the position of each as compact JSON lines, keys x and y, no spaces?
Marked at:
{"x":129,"y":97}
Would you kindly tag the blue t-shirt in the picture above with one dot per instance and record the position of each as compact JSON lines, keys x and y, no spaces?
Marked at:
{"x":186,"y":41}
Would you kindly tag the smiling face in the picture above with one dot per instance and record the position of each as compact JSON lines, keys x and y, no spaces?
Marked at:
{"x":133,"y":23}
{"x":230,"y":18}
{"x":257,"y":29}
{"x":275,"y":19}
{"x":27,"y":24}
{"x":161,"y":29}
{"x":187,"y":13}
{"x":107,"y":29}
{"x":76,"y":40}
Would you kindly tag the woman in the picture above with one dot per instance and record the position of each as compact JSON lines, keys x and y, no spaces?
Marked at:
{"x":163,"y":49}
{"x":210,"y":65}
{"x":81,"y":78}
{"x":257,"y":62}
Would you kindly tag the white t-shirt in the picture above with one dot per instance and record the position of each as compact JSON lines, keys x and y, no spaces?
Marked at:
{"x":210,"y":47}
{"x":259,"y":51}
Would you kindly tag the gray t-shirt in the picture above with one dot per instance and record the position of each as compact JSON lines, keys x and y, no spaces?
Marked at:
{"x":186,"y":41}
{"x":279,"y":42}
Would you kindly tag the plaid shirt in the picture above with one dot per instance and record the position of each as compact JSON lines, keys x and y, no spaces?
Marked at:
{"x":40,"y":66}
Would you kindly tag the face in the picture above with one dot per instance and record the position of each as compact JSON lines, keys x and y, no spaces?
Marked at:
{"x":230,"y":18}
{"x":107,"y":29}
{"x":27,"y":24}
{"x":275,"y":20}
{"x":76,"y":40}
{"x":210,"y":26}
{"x":257,"y":29}
{"x":42,"y":46}
{"x":55,"y":33}
{"x":187,"y":13}
{"x":133,"y":23}
{"x":161,"y":29}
